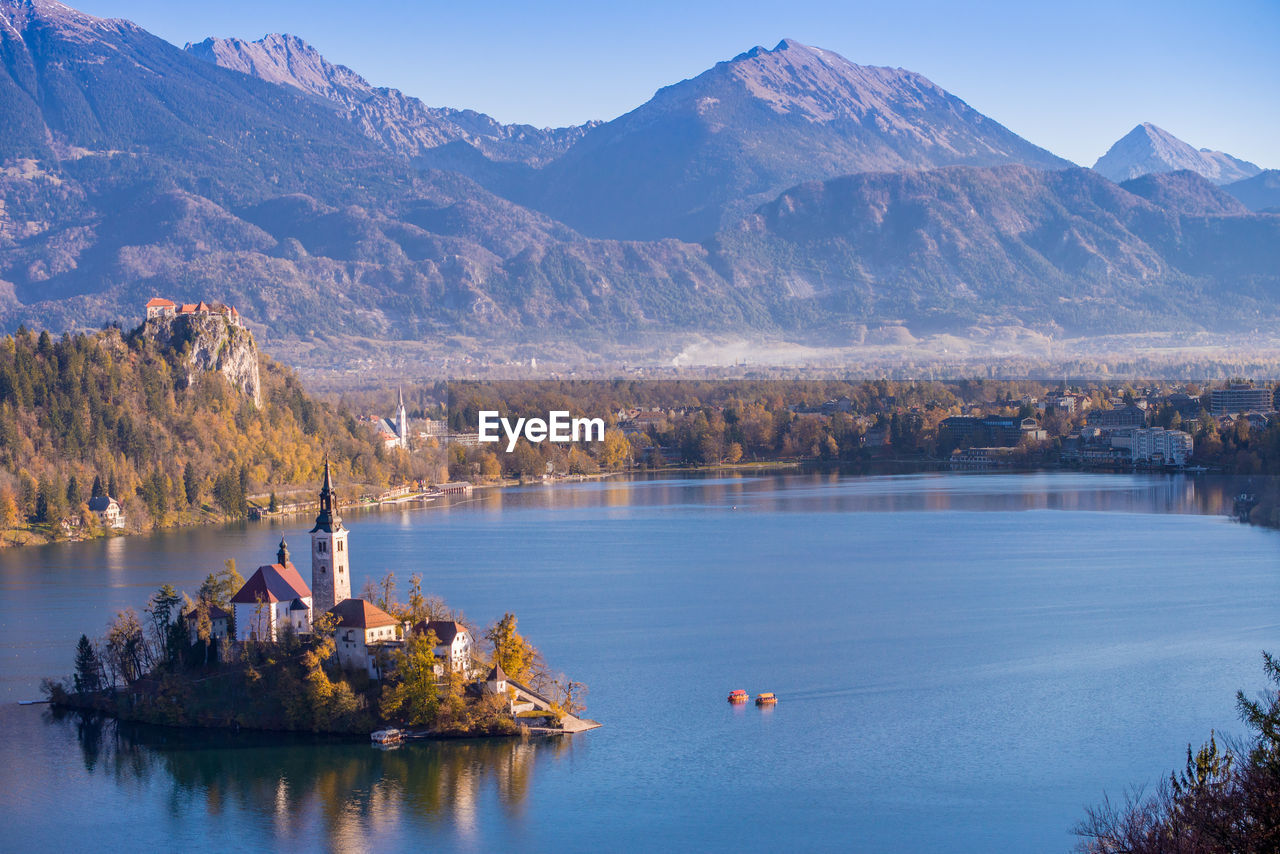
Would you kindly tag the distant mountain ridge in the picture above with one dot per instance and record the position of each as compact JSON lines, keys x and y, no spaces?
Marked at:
{"x":315,"y":203}
{"x":959,"y":246}
{"x":402,"y":123}
{"x":1259,"y":193}
{"x":705,"y":151}
{"x":1148,"y":149}
{"x":698,"y":155}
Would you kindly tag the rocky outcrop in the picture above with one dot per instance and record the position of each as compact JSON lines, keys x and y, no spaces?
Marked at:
{"x":204,"y":343}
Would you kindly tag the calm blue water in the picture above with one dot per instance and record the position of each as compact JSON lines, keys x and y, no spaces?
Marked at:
{"x":964,"y":663}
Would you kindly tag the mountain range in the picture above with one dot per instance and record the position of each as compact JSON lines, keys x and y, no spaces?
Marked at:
{"x":787,"y":192}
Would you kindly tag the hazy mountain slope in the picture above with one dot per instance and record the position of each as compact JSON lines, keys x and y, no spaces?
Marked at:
{"x":1186,"y":193}
{"x":136,"y":168}
{"x":955,"y":246}
{"x":1147,"y":149}
{"x":401,"y":123}
{"x":709,"y":149}
{"x":131,"y":168}
{"x":1261,"y":192}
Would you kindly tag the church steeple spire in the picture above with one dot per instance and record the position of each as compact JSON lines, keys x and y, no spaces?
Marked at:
{"x":328,"y":518}
{"x":402,"y":422}
{"x":282,"y":556}
{"x":330,"y":578}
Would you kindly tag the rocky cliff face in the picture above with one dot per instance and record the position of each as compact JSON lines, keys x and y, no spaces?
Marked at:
{"x":210,"y":343}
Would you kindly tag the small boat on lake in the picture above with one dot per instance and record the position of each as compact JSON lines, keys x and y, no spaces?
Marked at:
{"x":766,"y":699}
{"x":739,"y":696}
{"x":386,"y":736}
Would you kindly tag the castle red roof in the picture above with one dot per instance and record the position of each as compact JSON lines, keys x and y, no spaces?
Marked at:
{"x":159,"y":302}
{"x":272,"y":583}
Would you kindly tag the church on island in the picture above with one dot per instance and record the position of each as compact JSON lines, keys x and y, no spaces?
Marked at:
{"x":276,"y":597}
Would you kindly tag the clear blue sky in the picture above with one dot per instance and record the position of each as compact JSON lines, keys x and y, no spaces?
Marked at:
{"x":1072,"y":77}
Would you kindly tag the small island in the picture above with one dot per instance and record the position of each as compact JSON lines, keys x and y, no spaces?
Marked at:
{"x":273,"y":653}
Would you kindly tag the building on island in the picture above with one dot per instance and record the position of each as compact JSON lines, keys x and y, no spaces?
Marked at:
{"x":273,"y":597}
{"x":496,"y":681}
{"x":276,"y":596}
{"x":330,"y":570}
{"x":362,"y":629}
{"x":453,"y":642}
{"x":219,"y":623}
{"x":108,"y":510}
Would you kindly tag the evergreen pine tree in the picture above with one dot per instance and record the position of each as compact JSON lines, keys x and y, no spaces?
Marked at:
{"x":88,"y":675}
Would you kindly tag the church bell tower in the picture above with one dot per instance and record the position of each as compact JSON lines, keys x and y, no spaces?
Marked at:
{"x":330,"y":571}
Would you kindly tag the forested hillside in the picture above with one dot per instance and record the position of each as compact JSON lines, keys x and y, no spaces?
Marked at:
{"x":114,"y":412}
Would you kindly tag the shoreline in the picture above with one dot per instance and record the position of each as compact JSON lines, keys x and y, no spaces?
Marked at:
{"x":420,"y":500}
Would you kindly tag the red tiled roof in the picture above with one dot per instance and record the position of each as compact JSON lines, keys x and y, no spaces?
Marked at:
{"x":446,"y":630}
{"x":272,"y":583}
{"x":159,"y":302}
{"x":358,"y":613}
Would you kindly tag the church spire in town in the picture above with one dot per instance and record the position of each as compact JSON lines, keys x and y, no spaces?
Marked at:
{"x":402,"y":422}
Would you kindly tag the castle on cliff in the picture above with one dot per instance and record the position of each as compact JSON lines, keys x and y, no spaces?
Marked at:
{"x":161,"y":307}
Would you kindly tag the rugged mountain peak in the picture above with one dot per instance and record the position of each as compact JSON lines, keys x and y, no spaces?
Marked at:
{"x":284,"y":59}
{"x":17,"y":15}
{"x":399,"y":122}
{"x":1148,"y":149}
{"x":707,"y":150}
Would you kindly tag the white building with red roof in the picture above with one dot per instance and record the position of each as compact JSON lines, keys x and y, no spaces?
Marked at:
{"x":362,"y":628}
{"x":273,"y":597}
{"x":453,"y":643}
{"x":161,"y":307}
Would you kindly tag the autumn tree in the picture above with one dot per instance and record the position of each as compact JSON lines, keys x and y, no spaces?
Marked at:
{"x":511,"y":651}
{"x":8,"y":509}
{"x":617,"y":450}
{"x":414,"y":698}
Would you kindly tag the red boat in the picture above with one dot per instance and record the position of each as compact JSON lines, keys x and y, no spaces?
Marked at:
{"x":739,"y":696}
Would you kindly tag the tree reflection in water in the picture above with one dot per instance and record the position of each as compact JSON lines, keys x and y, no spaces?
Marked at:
{"x":293,"y":786}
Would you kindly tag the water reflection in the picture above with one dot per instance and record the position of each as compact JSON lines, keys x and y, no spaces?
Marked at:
{"x":835,"y":492}
{"x":298,"y":786}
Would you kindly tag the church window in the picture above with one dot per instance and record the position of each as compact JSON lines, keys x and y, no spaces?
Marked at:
{"x":322,"y":547}
{"x":339,"y":545}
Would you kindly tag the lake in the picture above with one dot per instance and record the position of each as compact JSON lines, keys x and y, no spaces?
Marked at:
{"x":964,"y":663}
